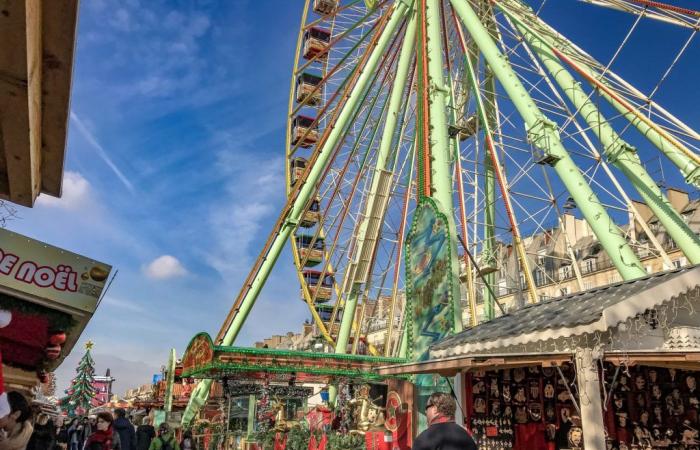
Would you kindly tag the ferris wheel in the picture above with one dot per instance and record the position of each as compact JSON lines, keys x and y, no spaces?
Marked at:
{"x":480,"y":111}
{"x":485,"y":106}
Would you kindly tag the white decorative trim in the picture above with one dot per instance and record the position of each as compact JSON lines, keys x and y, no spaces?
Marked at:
{"x":611,"y":317}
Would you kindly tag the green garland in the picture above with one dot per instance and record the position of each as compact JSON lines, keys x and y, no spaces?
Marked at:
{"x":298,"y":439}
{"x":58,"y":321}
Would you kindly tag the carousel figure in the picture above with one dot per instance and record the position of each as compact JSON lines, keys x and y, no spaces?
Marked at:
{"x":282,"y":425}
{"x":368,"y":415}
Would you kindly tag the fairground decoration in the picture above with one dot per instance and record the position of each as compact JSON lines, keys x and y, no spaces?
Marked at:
{"x":81,"y":392}
{"x":199,"y":353}
{"x":234,"y":387}
{"x":429,"y":279}
{"x":429,"y":291}
{"x":47,"y":272}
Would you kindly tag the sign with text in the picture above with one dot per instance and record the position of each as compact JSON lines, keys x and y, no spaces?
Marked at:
{"x":50,"y":273}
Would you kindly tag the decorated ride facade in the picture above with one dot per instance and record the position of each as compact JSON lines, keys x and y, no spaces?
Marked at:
{"x":273,"y":396}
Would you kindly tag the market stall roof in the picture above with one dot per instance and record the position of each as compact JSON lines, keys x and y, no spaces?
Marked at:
{"x":36,"y":66}
{"x":594,"y":310}
{"x":205,"y":360}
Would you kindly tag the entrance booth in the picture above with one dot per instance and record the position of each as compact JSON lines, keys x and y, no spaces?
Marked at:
{"x":615,"y":367}
{"x":47,"y":297}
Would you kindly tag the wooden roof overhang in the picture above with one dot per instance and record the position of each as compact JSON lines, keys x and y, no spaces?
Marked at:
{"x":205,"y":360}
{"x":36,"y":66}
{"x":449,"y":367}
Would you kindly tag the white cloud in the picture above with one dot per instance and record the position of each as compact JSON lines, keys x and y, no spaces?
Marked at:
{"x":165,"y":267}
{"x":76,"y":194}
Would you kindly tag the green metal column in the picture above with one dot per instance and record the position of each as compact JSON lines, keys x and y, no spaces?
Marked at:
{"x":201,"y":392}
{"x":169,"y":382}
{"x":618,"y":152}
{"x":675,"y":151}
{"x":252,"y":401}
{"x":440,"y":152}
{"x":367,"y":236}
{"x":543,"y":134}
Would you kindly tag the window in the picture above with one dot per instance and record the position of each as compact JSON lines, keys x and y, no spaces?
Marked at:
{"x":541,"y":256}
{"x":587,"y":285}
{"x":565,"y":272}
{"x":614,"y":278}
{"x":678,"y":263}
{"x":590,"y":265}
{"x":564,"y":290}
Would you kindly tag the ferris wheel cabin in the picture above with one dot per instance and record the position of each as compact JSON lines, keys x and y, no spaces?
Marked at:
{"x":312,"y":215}
{"x":320,"y":288}
{"x":307,"y":89}
{"x":316,"y":43}
{"x":311,"y":249}
{"x":325,"y":6}
{"x":297,"y":168}
{"x":304,"y":131}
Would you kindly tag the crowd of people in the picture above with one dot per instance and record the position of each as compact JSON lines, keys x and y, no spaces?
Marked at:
{"x":25,"y":428}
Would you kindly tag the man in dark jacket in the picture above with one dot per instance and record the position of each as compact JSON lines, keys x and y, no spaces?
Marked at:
{"x":443,"y":433}
{"x":127,"y":435}
{"x":144,"y":434}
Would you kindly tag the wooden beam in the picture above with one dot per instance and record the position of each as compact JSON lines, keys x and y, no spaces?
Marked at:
{"x":59,"y":26}
{"x":451,"y":366}
{"x":20,"y":97}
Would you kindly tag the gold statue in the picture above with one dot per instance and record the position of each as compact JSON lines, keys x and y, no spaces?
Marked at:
{"x":282,"y":425}
{"x":368,"y":416}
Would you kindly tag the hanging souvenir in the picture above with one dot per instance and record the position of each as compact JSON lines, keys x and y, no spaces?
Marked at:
{"x":479,"y":405}
{"x":674,"y":403}
{"x":623,"y":384}
{"x":506,"y":393}
{"x":495,"y":409}
{"x":520,"y":396}
{"x":535,"y":412}
{"x":534,"y":390}
{"x":533,"y":370}
{"x":549,"y":413}
{"x":518,"y":375}
{"x":639,"y":383}
{"x":653,"y":376}
{"x":494,"y":387}
{"x":575,"y":438}
{"x":548,"y":372}
{"x":549,"y":390}
{"x":521,"y":414}
{"x":479,"y":387}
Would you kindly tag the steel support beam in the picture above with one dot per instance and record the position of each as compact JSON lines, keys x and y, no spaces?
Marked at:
{"x":543,"y":134}
{"x":685,"y":159}
{"x":439,"y":94}
{"x":618,"y":152}
{"x":376,"y":204}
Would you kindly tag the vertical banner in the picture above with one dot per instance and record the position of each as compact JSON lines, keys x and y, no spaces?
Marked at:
{"x":430,"y":295}
{"x":429,"y":280}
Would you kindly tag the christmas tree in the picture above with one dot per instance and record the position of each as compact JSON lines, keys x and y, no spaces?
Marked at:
{"x":81,"y":391}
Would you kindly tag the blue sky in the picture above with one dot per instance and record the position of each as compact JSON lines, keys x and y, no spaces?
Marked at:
{"x":174,"y":167}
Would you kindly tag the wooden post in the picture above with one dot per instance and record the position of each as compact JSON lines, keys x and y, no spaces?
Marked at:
{"x":589,"y":398}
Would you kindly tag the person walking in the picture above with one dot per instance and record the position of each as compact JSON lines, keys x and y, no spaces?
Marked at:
{"x":16,"y":427}
{"x":127,"y":435}
{"x":145,"y":434}
{"x":442,"y":432}
{"x":44,"y":434}
{"x":165,"y":440}
{"x":104,"y":437}
{"x":187,"y":442}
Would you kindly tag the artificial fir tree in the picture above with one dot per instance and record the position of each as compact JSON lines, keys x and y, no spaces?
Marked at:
{"x":81,"y":391}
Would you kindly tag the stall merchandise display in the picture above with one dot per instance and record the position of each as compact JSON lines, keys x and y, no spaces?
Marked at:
{"x":523,"y":408}
{"x":652,"y":407}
